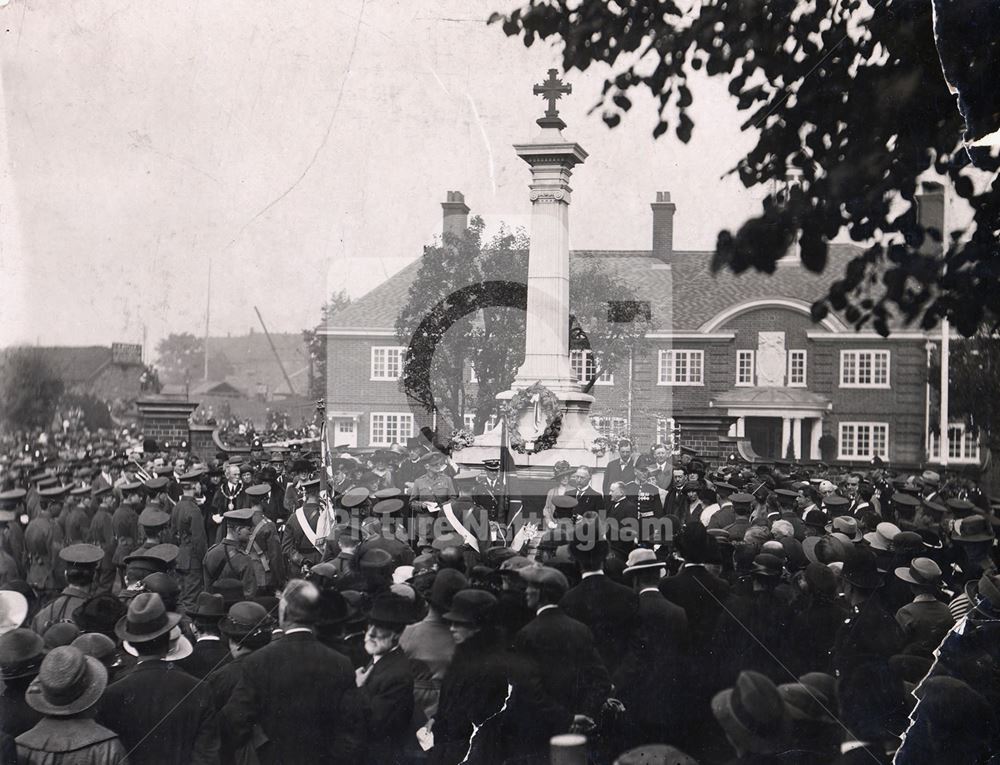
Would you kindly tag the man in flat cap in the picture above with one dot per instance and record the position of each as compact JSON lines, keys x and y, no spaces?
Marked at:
{"x":187,"y":528}
{"x":228,"y":559}
{"x":81,"y":561}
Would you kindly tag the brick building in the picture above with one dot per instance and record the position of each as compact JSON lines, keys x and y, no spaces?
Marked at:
{"x":732,"y":363}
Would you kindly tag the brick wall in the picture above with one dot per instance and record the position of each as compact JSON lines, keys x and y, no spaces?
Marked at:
{"x":351,"y":389}
{"x":901,"y":406}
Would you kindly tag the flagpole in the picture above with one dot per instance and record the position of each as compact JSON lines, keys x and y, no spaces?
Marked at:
{"x":504,"y":466}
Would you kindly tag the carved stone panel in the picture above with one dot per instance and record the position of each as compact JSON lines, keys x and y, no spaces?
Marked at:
{"x":771,"y":359}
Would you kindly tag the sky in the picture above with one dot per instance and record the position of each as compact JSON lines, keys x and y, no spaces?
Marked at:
{"x":295,"y":148}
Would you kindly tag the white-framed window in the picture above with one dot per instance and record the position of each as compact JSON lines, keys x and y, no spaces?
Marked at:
{"x":745,"y":368}
{"x":610,"y":427}
{"x":863,"y":440}
{"x":584,"y":364}
{"x":963,"y":446}
{"x":681,"y":368}
{"x":797,"y":369}
{"x":469,"y":421}
{"x":387,"y":428}
{"x":864,"y":369}
{"x":387,"y":362}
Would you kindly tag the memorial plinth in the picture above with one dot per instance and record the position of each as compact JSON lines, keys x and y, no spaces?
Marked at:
{"x":546,"y":353}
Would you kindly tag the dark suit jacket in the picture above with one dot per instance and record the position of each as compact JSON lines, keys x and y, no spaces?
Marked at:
{"x":722,"y":517}
{"x":615,"y":471}
{"x":623,"y":510}
{"x":162,"y":715}
{"x":388,"y":692}
{"x":588,"y":501}
{"x":609,"y":610}
{"x":870,"y":633}
{"x":206,"y":656}
{"x":303,"y":694}
{"x":650,"y":678}
{"x":567,"y":664}
{"x":701,"y":595}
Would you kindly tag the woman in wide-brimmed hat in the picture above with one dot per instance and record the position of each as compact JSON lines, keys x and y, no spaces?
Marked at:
{"x":561,"y":473}
{"x":68,"y":686}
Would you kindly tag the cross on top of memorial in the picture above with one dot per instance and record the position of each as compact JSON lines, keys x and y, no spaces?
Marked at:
{"x":552,"y":90}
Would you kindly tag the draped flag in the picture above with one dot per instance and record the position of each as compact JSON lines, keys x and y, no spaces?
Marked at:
{"x":507,"y":468}
{"x":324,"y":522}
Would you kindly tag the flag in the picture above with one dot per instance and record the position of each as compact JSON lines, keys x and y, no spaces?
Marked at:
{"x":507,"y":468}
{"x":325,"y":522}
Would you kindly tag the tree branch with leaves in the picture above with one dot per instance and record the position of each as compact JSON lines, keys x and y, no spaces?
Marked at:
{"x":849,"y":93}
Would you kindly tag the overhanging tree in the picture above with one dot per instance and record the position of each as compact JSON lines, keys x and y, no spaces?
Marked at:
{"x":973,"y":371}
{"x":848,"y":92}
{"x":466,"y":307}
{"x":181,"y":357}
{"x":29,"y":389}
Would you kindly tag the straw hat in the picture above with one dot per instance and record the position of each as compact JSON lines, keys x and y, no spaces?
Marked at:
{"x":13,"y":610}
{"x":68,"y":683}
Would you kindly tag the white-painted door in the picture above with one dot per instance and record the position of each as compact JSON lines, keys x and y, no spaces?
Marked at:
{"x":345,"y":432}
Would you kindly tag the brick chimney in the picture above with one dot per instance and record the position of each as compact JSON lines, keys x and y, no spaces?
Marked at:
{"x":930,"y":213}
{"x":663,"y":227}
{"x":456,"y":215}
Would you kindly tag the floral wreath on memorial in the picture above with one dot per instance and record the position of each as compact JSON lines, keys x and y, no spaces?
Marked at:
{"x":546,"y":406}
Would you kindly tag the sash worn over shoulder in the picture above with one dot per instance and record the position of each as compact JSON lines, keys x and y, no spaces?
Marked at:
{"x":311,"y":535}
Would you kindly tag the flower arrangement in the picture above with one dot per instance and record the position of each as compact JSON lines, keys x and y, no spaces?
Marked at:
{"x":601,"y":445}
{"x":460,"y":438}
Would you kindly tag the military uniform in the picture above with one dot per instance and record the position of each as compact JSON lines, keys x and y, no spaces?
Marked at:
{"x":188,"y":532}
{"x":80,"y":557}
{"x":101,"y":534}
{"x":227,"y":561}
{"x":42,"y":542}
{"x":430,"y":487}
{"x":125,"y":528}
{"x":295,"y":545}
{"x":488,"y":493}
{"x":646,"y":496}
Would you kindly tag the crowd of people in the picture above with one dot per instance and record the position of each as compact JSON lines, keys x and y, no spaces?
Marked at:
{"x":158,"y":606}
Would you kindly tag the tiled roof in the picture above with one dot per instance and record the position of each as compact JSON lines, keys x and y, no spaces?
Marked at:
{"x":378,"y":309}
{"x":698,"y":294}
{"x":253,"y":361}
{"x":76,"y":364}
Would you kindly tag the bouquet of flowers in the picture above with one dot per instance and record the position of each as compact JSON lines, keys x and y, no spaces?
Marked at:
{"x":460,"y":438}
{"x":600,"y":445}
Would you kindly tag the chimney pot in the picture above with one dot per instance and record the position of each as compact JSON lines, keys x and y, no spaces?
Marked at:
{"x":455,"y":215}
{"x":663,"y":227}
